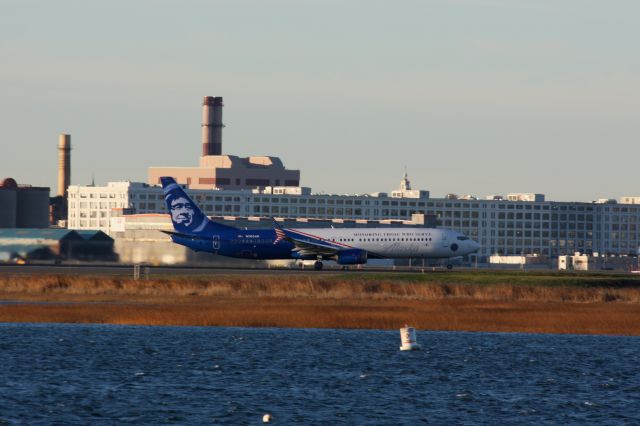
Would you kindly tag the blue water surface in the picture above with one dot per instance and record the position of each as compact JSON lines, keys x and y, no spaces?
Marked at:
{"x":106,"y":374}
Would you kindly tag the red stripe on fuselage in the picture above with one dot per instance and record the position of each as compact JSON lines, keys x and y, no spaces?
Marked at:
{"x":321,"y":239}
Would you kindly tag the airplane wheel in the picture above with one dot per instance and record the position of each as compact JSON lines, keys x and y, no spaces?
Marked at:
{"x":449,"y":266}
{"x":318,"y":266}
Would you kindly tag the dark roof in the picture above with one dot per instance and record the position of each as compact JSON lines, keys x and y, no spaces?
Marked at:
{"x":22,"y":249}
{"x":40,"y":233}
{"x":93,"y":235}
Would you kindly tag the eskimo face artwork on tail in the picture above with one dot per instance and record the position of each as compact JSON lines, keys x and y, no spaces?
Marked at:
{"x":185,"y":215}
{"x":182,"y":211}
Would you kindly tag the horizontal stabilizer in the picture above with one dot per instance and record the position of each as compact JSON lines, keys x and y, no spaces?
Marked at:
{"x":179,"y":234}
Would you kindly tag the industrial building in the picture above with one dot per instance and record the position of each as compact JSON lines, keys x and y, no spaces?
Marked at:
{"x":23,"y":206}
{"x":52,"y":243}
{"x":584,"y":262}
{"x":217,"y":171}
{"x":26,"y":206}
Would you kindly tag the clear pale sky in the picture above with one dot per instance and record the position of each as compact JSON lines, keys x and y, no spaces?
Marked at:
{"x":473,"y":97}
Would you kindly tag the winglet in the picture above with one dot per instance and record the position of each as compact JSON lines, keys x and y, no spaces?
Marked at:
{"x":275,"y":223}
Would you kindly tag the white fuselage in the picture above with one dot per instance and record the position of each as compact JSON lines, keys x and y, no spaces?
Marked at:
{"x":398,"y":242}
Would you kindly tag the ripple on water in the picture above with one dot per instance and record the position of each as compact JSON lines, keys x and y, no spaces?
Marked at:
{"x":80,"y":374}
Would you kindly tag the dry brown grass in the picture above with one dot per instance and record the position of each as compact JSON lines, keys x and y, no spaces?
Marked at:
{"x":297,"y":286}
{"x":445,"y":314}
{"x":303,"y":301}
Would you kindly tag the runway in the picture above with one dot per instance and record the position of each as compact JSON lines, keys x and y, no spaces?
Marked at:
{"x":150,"y":271}
{"x":160,"y":271}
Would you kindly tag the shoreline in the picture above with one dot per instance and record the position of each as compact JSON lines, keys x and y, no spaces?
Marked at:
{"x":600,"y":305}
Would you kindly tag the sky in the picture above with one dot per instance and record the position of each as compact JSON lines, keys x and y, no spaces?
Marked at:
{"x":473,"y":97}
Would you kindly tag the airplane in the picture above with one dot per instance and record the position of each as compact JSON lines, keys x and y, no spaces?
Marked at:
{"x":346,"y":246}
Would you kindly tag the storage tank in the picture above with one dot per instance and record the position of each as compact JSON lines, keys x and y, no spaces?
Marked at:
{"x":7,"y":207}
{"x":32,"y":207}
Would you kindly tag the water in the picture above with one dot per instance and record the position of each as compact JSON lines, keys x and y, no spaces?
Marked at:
{"x":105,"y":374}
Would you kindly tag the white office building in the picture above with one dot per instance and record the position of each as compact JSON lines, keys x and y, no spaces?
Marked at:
{"x":517,"y":224}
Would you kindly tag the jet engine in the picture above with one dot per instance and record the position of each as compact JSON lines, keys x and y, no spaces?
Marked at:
{"x":351,"y":257}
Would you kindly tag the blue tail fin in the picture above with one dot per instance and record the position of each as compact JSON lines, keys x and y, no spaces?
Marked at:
{"x":186,"y":216}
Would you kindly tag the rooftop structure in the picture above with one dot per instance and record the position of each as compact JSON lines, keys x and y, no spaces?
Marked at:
{"x":630,"y":200}
{"x":405,"y":190}
{"x":525,"y":197}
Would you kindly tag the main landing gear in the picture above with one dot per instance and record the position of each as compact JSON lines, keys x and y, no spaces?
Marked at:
{"x":449,"y":266}
{"x":318,"y":265}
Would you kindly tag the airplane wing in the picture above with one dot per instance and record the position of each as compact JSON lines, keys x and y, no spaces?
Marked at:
{"x":307,"y":244}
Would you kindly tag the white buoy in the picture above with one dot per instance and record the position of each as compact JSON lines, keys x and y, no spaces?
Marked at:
{"x":266,"y":418}
{"x":408,"y":339}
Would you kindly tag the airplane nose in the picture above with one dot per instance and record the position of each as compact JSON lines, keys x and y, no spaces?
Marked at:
{"x":474,"y":245}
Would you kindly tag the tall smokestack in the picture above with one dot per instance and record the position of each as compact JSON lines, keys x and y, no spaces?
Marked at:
{"x":212,"y":125}
{"x":64,"y":164}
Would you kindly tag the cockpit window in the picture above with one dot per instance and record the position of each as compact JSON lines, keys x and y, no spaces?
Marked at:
{"x":462,"y":238}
